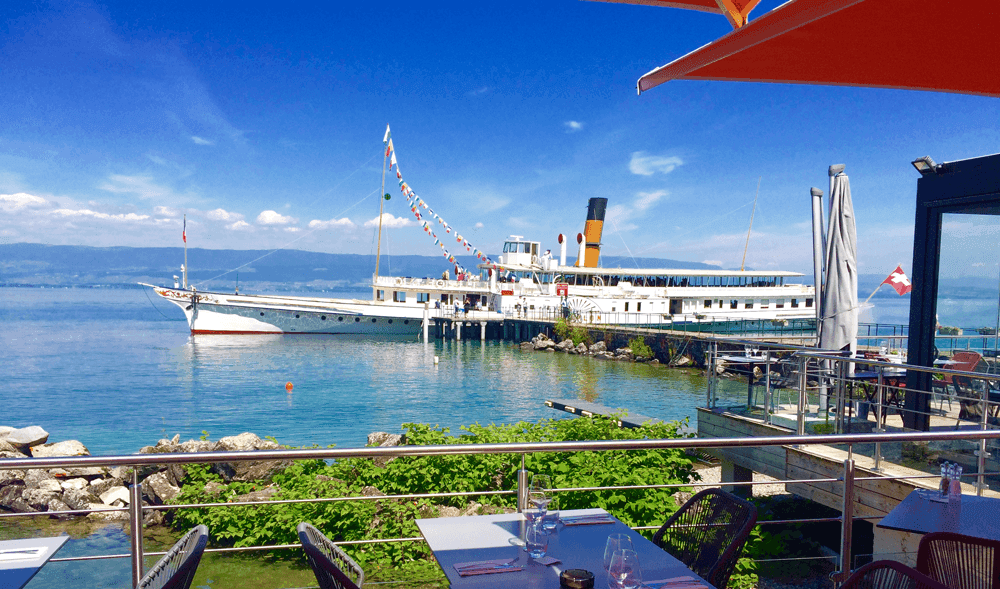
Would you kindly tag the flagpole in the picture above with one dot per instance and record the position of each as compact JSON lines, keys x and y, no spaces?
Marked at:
{"x":381,"y":204}
{"x":873,"y":293}
{"x":184,"y":234}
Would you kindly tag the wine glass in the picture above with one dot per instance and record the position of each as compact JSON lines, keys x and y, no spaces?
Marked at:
{"x":624,"y":571}
{"x":536,"y":542}
{"x":615,"y":543}
{"x":538,"y":492}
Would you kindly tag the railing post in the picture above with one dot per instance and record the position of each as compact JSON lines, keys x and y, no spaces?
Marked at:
{"x":880,"y":395}
{"x":846,"y":524}
{"x":767,"y":387}
{"x":800,"y":427}
{"x":135,"y":527}
{"x":982,"y":454}
{"x":522,"y":487}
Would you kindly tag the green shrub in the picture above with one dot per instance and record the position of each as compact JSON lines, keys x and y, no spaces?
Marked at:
{"x":388,"y":518}
{"x":639,"y":348}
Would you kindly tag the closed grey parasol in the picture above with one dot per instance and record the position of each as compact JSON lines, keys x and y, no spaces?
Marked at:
{"x":839,"y":325}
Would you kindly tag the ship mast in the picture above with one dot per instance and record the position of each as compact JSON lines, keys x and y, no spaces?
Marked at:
{"x":184,"y":236}
{"x":381,"y":205}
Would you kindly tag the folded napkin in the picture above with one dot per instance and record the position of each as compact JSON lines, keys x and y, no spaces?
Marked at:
{"x":583,"y":520}
{"x":486,"y":567}
{"x":675,"y":583}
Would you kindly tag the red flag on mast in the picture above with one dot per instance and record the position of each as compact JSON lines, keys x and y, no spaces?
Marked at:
{"x":184,"y":232}
{"x":899,"y":281}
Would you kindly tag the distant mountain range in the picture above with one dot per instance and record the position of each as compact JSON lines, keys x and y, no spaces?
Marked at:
{"x":31,"y":264}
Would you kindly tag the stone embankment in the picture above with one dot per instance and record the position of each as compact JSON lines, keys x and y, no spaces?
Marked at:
{"x":599,"y":350}
{"x":98,"y":489}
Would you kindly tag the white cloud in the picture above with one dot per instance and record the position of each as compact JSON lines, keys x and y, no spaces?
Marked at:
{"x":573,"y":126}
{"x":292,"y":229}
{"x":331,"y":224}
{"x":166,"y":211}
{"x":479,"y":91}
{"x":223,"y":215}
{"x":102,"y":216}
{"x":21,"y":200}
{"x":142,"y":186}
{"x":240,"y":225}
{"x":479,"y":225}
{"x":199,"y":141}
{"x":644,"y":200}
{"x":390,"y":221}
{"x":712,"y":262}
{"x":274,"y":218}
{"x":621,"y":215}
{"x":647,"y":165}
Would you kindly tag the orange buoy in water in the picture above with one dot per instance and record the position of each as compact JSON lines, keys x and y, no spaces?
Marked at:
{"x":288,"y":386}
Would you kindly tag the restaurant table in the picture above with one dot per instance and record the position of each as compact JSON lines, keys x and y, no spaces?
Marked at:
{"x":486,"y":537}
{"x":972,"y":515}
{"x":21,"y":559}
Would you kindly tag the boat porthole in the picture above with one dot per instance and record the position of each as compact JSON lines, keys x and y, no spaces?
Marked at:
{"x":296,"y":315}
{"x":261,"y":313}
{"x":357,"y":319}
{"x":390,"y":321}
{"x":322,"y":317}
{"x":406,"y":322}
{"x":340,"y":318}
{"x":373,"y":321}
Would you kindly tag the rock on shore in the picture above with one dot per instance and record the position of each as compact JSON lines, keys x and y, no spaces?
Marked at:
{"x":599,"y":350}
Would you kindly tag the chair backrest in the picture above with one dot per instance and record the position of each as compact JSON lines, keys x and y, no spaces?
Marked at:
{"x":332,"y":567}
{"x":889,"y":574}
{"x":177,"y":567}
{"x":965,"y":360}
{"x":959,"y":561}
{"x":708,"y":533}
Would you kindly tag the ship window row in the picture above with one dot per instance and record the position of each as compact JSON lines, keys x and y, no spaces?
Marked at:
{"x":662,"y":281}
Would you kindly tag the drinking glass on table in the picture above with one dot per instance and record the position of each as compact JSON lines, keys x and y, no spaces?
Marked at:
{"x":538,"y":492}
{"x":536,"y":542}
{"x":624,"y":571}
{"x":615,"y":543}
{"x":533,"y":515}
{"x":550,"y":520}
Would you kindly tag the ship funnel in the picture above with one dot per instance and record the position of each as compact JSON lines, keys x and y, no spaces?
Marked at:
{"x":593,"y":230}
{"x":562,"y":249}
{"x":580,"y":257}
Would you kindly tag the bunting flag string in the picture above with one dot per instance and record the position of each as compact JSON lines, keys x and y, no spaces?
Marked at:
{"x":417,"y":203}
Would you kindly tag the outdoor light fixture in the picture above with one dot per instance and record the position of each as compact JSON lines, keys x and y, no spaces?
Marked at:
{"x":925,"y":165}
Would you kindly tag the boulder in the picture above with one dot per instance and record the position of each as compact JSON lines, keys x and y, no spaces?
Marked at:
{"x":79,"y":498}
{"x":98,"y":512}
{"x":50,"y":485}
{"x":115,"y":494}
{"x":35,"y":476}
{"x":76,"y":483}
{"x":153,"y":518}
{"x":4,"y":430}
{"x":582,"y":348}
{"x":14,"y":454}
{"x":87,"y":472}
{"x":176,"y":474}
{"x":244,"y":442}
{"x":98,"y":486}
{"x":527,"y":346}
{"x":66,"y":448}
{"x":370,"y":491}
{"x":11,"y":493}
{"x":38,"y":499}
{"x":26,"y":437}
{"x":197,"y":446}
{"x":6,"y":446}
{"x":565,"y":345}
{"x":384,"y":439}
{"x":247,"y":470}
{"x":57,"y":504}
{"x":264,"y":494}
{"x":12,"y":476}
{"x":598,"y":347}
{"x":213,"y":488}
{"x":158,"y":488}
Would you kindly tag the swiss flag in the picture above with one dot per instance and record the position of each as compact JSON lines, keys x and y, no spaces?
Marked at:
{"x":899,"y":281}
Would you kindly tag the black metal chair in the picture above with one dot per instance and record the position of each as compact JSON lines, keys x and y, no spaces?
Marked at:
{"x":889,"y":574}
{"x":708,"y":534}
{"x":960,"y":561}
{"x":332,"y":567}
{"x":177,"y":567}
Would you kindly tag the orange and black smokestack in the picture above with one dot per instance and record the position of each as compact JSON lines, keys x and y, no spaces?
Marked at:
{"x":592,"y":231}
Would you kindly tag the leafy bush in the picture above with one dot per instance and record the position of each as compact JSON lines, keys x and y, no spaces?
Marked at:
{"x":639,"y":348}
{"x":562,"y":328}
{"x":566,"y":330}
{"x":388,"y":518}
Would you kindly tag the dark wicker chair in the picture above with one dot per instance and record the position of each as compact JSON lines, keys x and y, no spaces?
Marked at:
{"x":959,"y":561}
{"x":889,"y":574}
{"x":333,"y":568}
{"x":708,"y":534}
{"x":177,"y":567}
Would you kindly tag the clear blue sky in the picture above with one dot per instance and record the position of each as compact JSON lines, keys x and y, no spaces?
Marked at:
{"x":263,"y":122}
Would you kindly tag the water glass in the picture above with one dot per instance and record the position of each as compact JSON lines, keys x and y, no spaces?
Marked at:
{"x":624,"y":571}
{"x":615,"y":543}
{"x":536,"y":541}
{"x":538,"y":493}
{"x":551,"y":518}
{"x":533,"y":515}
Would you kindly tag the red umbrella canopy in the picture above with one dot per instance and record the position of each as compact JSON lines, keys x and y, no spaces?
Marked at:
{"x":947,"y":46}
{"x":735,"y":10}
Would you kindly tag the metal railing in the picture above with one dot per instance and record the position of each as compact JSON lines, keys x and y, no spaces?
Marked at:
{"x":136,"y":509}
